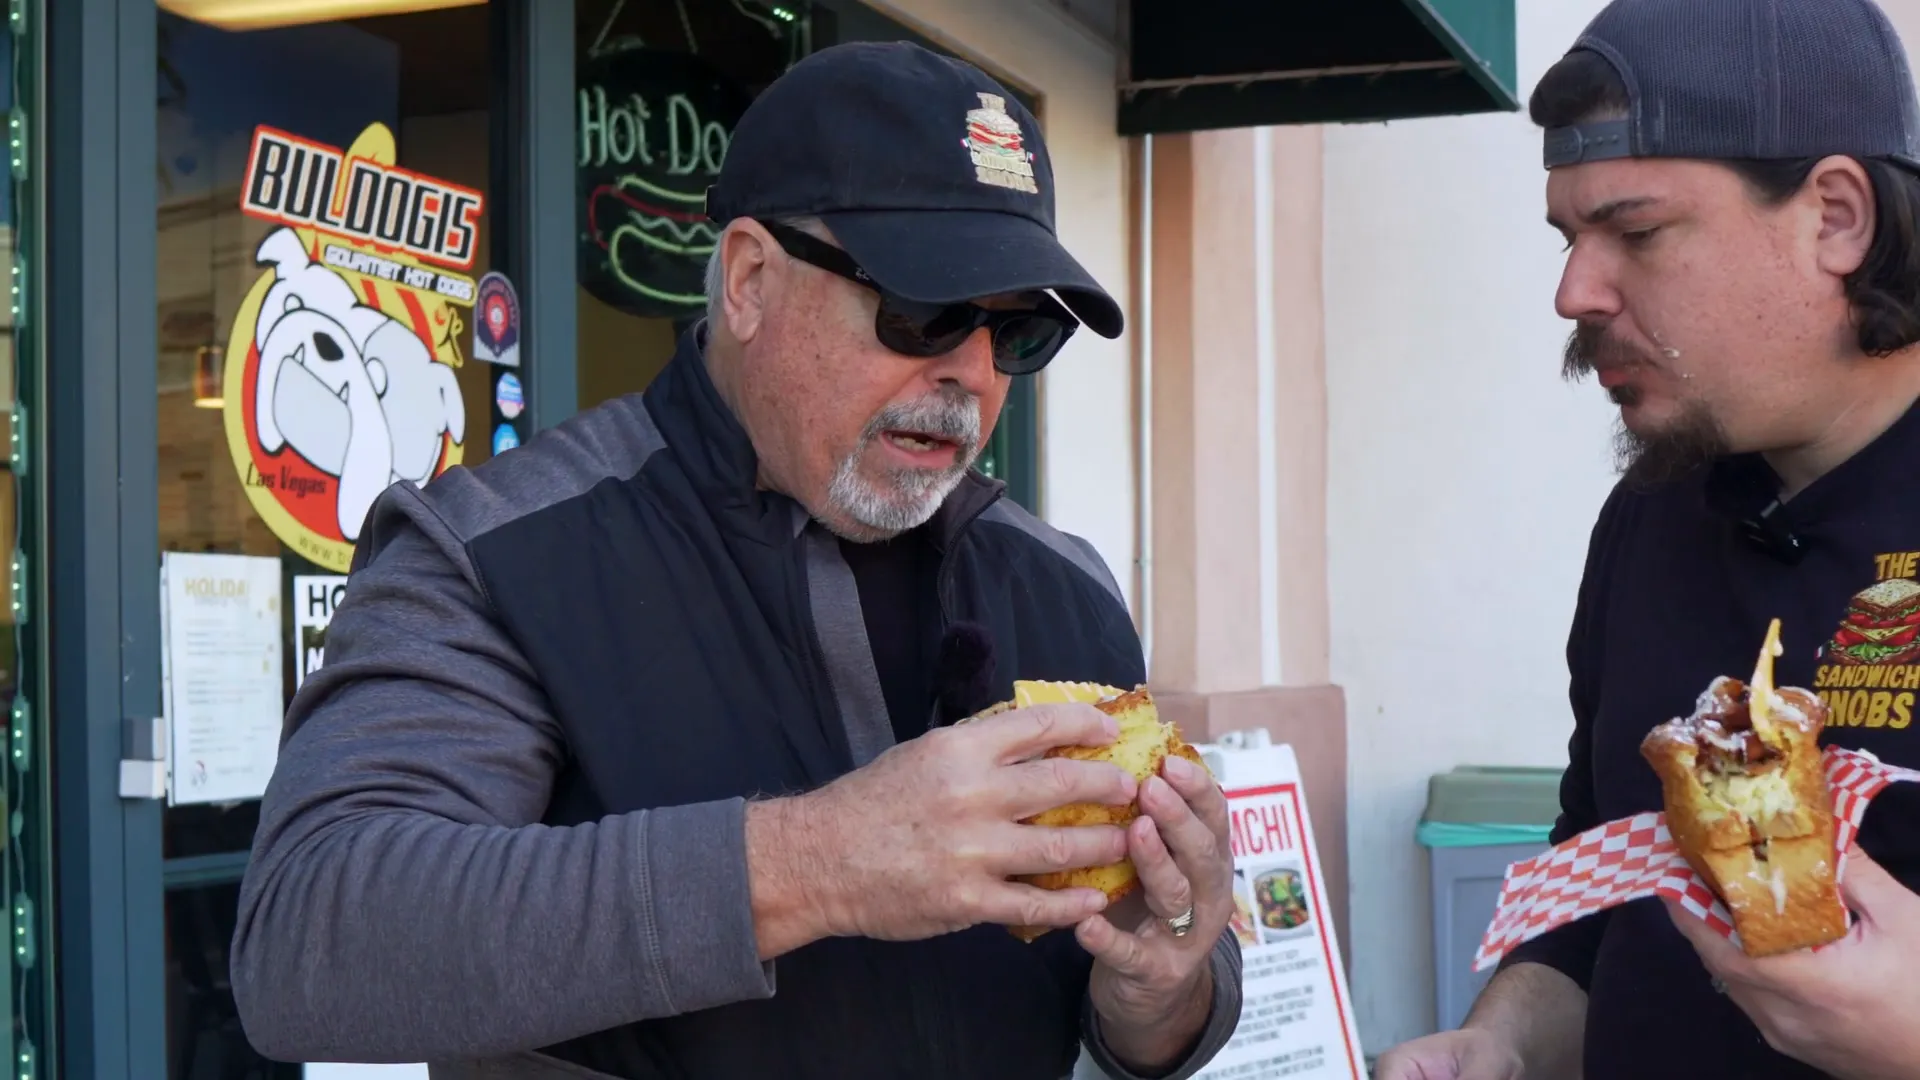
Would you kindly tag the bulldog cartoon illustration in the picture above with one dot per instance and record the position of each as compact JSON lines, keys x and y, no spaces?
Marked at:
{"x":346,"y":386}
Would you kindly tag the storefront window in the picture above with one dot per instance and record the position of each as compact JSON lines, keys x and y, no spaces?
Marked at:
{"x":323,"y":248}
{"x":27,"y":1040}
{"x":661,"y":84}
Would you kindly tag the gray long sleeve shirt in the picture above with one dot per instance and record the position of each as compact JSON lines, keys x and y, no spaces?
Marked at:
{"x":406,"y":904}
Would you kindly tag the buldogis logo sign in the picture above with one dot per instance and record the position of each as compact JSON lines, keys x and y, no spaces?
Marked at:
{"x":341,"y":369}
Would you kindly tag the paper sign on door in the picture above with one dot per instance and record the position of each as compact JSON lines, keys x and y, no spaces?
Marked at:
{"x":315,"y":596}
{"x":220,"y":669}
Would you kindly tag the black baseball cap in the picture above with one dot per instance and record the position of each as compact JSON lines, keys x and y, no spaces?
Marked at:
{"x":1764,"y":79}
{"x":929,"y":173}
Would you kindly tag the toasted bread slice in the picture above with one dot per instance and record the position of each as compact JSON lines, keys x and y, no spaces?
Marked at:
{"x":1144,"y":743}
{"x":1748,"y":806}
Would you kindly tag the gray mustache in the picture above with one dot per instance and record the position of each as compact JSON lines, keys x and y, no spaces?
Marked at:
{"x":955,"y":418}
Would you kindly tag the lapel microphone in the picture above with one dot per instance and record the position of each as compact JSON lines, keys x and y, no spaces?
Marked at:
{"x":963,"y":673}
{"x":1747,"y":492}
{"x":1770,"y":535}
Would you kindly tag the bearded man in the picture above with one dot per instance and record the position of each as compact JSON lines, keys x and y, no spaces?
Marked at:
{"x":1738,"y":186}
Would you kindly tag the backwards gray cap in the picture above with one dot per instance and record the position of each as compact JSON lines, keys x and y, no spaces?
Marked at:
{"x":1767,"y":79}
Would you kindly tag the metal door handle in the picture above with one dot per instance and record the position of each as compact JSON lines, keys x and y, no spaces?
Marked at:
{"x":143,"y":758}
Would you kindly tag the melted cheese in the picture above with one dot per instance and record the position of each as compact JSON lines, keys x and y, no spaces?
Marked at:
{"x":1144,"y":738}
{"x":1028,"y":692}
{"x":1733,"y":742}
{"x":1774,"y":881}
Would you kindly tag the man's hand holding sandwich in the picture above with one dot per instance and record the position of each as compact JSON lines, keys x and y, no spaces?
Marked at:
{"x":1848,"y":1008}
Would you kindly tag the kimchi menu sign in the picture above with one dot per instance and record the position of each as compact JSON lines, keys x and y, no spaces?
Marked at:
{"x":1296,"y":1017}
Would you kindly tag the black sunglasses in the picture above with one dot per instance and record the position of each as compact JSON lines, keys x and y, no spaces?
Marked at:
{"x":1024,"y":340}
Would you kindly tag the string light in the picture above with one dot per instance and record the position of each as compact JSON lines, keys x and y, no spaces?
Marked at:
{"x":25,"y":856}
{"x":17,"y":143}
{"x":17,"y":584}
{"x":20,"y":742}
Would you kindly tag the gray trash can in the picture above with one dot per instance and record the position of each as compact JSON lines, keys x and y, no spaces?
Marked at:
{"x":1479,"y":820}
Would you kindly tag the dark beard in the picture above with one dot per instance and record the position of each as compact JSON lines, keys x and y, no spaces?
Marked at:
{"x":1692,"y":442}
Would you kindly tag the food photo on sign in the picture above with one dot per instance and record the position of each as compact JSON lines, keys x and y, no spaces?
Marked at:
{"x":1280,"y":898}
{"x":344,"y":352}
{"x":1244,"y":921}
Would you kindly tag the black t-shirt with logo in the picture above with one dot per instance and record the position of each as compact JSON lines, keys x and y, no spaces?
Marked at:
{"x":1680,"y":589}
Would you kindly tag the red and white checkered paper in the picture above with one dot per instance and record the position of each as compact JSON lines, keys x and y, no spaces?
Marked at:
{"x":1635,"y":858}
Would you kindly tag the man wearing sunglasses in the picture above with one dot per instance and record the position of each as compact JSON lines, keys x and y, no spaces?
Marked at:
{"x":635,"y":753}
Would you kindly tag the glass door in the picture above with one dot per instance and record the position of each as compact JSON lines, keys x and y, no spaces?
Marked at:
{"x":661,"y":84}
{"x":322,"y":261}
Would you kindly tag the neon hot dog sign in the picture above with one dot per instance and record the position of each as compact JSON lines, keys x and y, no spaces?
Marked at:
{"x":653,"y":129}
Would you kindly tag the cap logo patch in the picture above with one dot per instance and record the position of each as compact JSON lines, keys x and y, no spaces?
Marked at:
{"x":1000,"y":157}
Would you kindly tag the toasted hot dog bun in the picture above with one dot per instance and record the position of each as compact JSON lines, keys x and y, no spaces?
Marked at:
{"x":1747,"y":804}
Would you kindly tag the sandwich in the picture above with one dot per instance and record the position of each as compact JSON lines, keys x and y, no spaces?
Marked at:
{"x":1882,"y":626}
{"x":1745,"y":787}
{"x":1144,"y":742}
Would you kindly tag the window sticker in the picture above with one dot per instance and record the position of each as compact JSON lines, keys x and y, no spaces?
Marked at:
{"x":342,"y":361}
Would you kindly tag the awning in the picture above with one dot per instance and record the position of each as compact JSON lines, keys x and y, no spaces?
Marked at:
{"x":1201,"y":64}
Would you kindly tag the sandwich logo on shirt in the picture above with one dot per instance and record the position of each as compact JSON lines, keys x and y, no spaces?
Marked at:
{"x":1000,"y":155}
{"x":1870,"y":668}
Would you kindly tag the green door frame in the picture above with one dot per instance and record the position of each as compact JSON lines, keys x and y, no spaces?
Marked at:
{"x":100,"y":429}
{"x":534,"y":235}
{"x":102,"y":521}
{"x":1013,"y":454}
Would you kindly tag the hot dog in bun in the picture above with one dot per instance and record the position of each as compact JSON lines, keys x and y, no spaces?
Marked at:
{"x":1745,"y":787}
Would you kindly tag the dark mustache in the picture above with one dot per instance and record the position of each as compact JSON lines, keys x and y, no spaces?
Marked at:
{"x":1590,"y":348}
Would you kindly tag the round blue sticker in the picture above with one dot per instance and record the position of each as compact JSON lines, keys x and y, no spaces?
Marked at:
{"x":506,"y":394}
{"x":505,"y":438}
